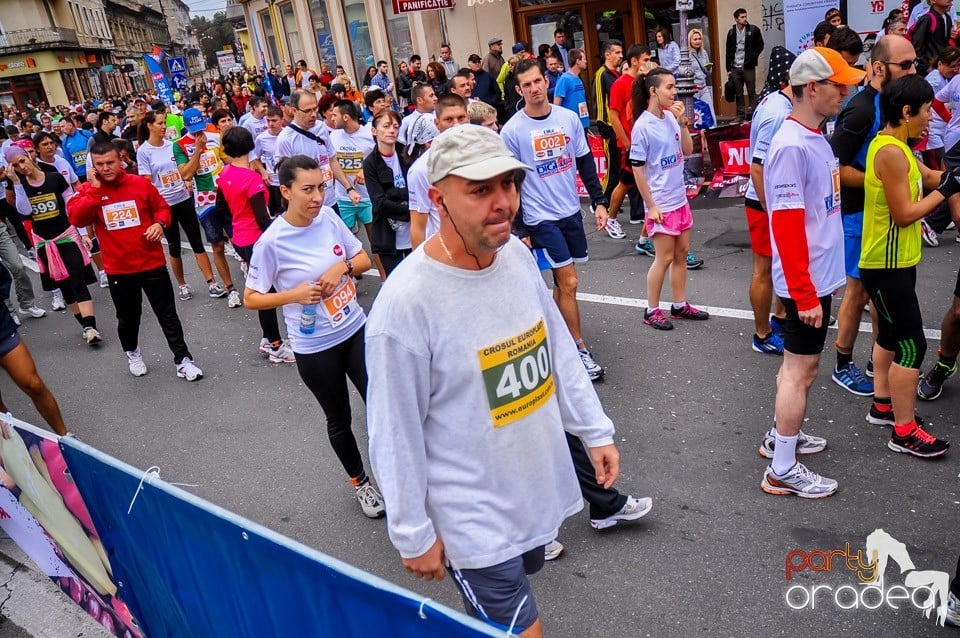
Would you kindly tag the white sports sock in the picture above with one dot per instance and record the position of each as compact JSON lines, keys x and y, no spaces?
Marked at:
{"x":784,"y":454}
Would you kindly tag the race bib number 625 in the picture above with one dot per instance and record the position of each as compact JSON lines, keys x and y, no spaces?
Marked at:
{"x":517,"y":375}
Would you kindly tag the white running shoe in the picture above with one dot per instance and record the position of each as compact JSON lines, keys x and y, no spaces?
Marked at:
{"x":633,"y":509}
{"x":58,"y":302}
{"x":186,"y":369}
{"x":34,"y":311}
{"x":135,"y":360}
{"x":370,"y":501}
{"x":92,"y":336}
{"x":103,"y":279}
{"x":264,"y":345}
{"x":233,"y":299}
{"x":185,"y":294}
{"x":282,"y":354}
{"x":552,"y":550}
{"x":799,"y":481}
{"x":614,"y":229}
{"x":594,"y":371}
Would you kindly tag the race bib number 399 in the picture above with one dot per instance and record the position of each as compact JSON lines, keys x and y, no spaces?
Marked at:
{"x":517,"y":375}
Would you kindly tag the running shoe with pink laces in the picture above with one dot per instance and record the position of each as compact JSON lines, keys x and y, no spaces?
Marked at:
{"x":657,"y":319}
{"x":686,"y":311}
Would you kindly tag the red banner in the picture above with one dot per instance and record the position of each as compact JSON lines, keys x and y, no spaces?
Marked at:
{"x":736,"y":160}
{"x":729,"y":148}
{"x":411,"y":6}
{"x":599,"y":159}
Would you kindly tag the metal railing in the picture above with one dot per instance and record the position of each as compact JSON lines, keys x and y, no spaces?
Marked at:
{"x":33,"y":39}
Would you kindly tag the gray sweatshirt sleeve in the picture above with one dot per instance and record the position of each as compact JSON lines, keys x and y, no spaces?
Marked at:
{"x":396,"y":411}
{"x":580,"y":408}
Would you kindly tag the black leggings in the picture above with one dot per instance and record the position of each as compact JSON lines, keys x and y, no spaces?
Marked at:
{"x":185,"y":214}
{"x":269,"y":323}
{"x":127,"y":293}
{"x":393,"y":260}
{"x":325,"y":374}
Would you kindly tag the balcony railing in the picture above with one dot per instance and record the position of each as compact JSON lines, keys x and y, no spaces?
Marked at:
{"x":37,"y":39}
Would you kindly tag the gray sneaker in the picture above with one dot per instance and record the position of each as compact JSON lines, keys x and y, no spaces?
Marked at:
{"x":633,"y":509}
{"x":798,"y":481}
{"x":370,"y":501}
{"x":806,"y":444}
{"x":552,"y":550}
{"x":594,"y":371}
{"x":217,"y":291}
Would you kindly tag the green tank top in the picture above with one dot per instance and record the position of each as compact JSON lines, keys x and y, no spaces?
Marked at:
{"x":884,"y":244}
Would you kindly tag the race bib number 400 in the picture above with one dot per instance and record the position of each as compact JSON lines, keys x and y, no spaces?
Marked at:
{"x":121,"y":215}
{"x":517,"y":375}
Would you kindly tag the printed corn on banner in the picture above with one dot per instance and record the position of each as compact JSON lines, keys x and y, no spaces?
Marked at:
{"x":190,"y":568}
{"x":44,"y":514}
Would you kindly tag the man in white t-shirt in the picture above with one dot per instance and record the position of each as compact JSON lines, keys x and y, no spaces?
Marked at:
{"x":306,"y":136}
{"x":445,"y":431}
{"x":425,"y":100}
{"x":767,"y":118}
{"x":551,"y":139}
{"x":352,"y":142}
{"x":255,"y":120}
{"x":801,"y":185}
{"x":424,"y":218}
{"x":264,"y":150}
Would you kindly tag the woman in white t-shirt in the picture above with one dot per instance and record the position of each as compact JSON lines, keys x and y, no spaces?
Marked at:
{"x":155,"y":161}
{"x":657,"y":147}
{"x":310,"y":257}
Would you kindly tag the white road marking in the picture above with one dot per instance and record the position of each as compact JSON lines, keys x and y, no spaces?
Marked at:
{"x":733,"y":313}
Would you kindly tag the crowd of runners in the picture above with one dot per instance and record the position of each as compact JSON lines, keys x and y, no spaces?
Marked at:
{"x":470,"y":391}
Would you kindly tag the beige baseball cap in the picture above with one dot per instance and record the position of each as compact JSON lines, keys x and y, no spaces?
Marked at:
{"x":471,"y":152}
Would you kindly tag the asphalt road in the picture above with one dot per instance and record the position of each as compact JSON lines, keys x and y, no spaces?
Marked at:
{"x":690,"y":408}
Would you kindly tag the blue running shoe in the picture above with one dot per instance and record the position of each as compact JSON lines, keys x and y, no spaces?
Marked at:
{"x":694,"y":262}
{"x":645,"y":247}
{"x":776,"y":324}
{"x":852,"y":380}
{"x":771,"y":344}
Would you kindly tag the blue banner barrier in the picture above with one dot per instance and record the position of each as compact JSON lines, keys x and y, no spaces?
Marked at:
{"x":186,"y":567}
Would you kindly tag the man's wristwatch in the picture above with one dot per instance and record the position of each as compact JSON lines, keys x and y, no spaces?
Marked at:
{"x":162,"y":225}
{"x":600,"y":201}
{"x":349,"y":266}
{"x":351,"y":189}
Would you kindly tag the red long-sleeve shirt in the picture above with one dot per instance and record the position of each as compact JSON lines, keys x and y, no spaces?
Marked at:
{"x":121,"y":211}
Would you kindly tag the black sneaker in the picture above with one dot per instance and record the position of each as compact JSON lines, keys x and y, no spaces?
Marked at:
{"x":876,"y":417}
{"x":918,"y":443}
{"x":931,"y":385}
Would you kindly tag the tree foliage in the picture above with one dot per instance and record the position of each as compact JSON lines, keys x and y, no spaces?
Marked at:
{"x":213,"y":35}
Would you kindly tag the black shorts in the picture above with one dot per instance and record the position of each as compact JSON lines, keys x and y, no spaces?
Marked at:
{"x":798,"y":337}
{"x":893,"y":294}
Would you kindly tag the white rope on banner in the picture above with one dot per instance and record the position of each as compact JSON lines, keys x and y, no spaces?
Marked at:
{"x":151,"y":473}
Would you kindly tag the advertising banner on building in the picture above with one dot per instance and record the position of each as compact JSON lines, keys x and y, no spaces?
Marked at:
{"x":412,"y":6}
{"x":44,"y":514}
{"x":800,"y":18}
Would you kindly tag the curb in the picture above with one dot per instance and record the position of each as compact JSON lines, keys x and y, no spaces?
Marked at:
{"x":31,"y":605}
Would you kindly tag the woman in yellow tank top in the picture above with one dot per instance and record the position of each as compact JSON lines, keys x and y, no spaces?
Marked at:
{"x":894,"y":204}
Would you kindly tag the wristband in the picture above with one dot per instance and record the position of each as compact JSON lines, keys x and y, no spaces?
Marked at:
{"x":349,"y":266}
{"x":351,"y":189}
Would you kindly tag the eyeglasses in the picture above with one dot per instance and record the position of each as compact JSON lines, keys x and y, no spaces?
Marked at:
{"x":308,"y":111}
{"x":832,"y":83}
{"x":906,"y":64}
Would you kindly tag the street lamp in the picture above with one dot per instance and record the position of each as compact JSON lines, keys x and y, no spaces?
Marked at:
{"x":686,"y":88}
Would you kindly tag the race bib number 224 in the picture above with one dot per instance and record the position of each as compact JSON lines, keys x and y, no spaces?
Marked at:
{"x":517,"y":375}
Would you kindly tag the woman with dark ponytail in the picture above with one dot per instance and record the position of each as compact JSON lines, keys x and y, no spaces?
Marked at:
{"x":658,"y":143}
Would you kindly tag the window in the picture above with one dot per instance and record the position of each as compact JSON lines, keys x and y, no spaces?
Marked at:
{"x":321,"y":26}
{"x":289,"y":22}
{"x":270,"y":37}
{"x":359,"y":31}
{"x":398,"y":34}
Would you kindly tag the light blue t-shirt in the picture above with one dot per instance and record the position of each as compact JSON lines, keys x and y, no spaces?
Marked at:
{"x":574,"y":97}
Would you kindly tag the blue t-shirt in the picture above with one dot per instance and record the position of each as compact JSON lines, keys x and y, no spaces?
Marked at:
{"x":574,"y":96}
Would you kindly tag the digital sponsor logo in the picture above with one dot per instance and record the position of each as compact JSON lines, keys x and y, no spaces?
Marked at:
{"x":554,"y":167}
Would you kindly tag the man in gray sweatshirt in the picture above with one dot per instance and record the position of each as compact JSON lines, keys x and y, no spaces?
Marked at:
{"x":474,"y":382}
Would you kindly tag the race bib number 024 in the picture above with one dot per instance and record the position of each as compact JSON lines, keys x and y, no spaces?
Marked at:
{"x":517,"y":375}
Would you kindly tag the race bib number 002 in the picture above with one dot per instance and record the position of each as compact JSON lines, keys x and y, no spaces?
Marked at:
{"x":548,"y":144}
{"x":517,"y":375}
{"x":121,"y":215}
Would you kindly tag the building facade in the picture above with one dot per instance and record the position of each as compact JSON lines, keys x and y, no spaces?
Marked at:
{"x":357,"y":33}
{"x":136,"y":29}
{"x":53,"y":51}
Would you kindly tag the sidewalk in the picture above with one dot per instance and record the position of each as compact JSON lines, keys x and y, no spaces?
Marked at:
{"x":31,"y":605}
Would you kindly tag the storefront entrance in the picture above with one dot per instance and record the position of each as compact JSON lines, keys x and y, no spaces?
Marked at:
{"x":19,"y":90}
{"x":588,"y":23}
